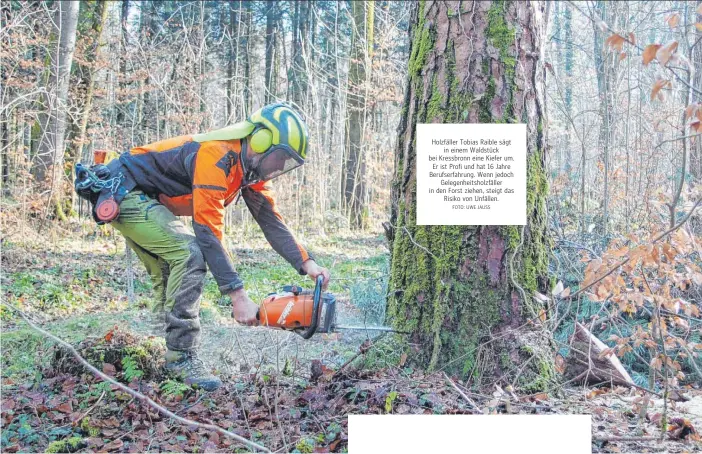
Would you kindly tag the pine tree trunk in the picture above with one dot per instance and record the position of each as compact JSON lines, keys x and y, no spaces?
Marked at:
{"x":465,"y":292}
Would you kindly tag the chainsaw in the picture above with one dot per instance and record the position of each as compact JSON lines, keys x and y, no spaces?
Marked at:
{"x":305,"y":312}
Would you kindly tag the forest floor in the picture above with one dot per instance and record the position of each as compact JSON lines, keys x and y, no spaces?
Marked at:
{"x":281,"y":391}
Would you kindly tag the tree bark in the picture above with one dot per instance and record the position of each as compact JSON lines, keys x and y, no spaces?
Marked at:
{"x":53,"y":120}
{"x":465,"y":292}
{"x":696,"y":148}
{"x":100,"y":18}
{"x":271,"y":35}
{"x":359,"y":69}
{"x":122,"y":103}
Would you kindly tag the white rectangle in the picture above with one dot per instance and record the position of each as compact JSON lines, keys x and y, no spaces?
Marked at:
{"x":471,"y":174}
{"x":539,"y":434}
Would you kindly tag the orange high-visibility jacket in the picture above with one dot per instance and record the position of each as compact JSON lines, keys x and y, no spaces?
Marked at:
{"x":200,"y":179}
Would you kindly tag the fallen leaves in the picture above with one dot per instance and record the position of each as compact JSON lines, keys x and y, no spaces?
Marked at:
{"x":681,"y":429}
{"x":114,"y":445}
{"x":109,"y":369}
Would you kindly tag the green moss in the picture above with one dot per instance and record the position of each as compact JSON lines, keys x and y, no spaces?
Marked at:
{"x":88,"y":429}
{"x":423,"y":43}
{"x":460,"y":102}
{"x":485,"y":113}
{"x":67,"y":445}
{"x":501,"y":36}
{"x":434,"y":109}
{"x":305,"y":445}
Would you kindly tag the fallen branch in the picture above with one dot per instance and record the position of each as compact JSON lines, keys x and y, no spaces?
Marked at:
{"x":468,"y":399}
{"x":618,"y":438}
{"x":135,"y":394}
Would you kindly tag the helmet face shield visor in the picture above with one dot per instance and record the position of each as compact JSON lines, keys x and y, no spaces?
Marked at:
{"x":277,"y":161}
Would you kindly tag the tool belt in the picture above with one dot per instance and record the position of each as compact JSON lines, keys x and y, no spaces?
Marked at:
{"x":104,"y":186}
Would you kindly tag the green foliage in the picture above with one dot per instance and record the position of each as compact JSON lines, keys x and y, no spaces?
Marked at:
{"x":392,"y":395}
{"x":173,"y":388}
{"x":305,"y":445}
{"x":369,"y":295}
{"x":88,"y":429}
{"x":130,"y":368}
{"x":95,"y":391}
{"x":67,"y":445}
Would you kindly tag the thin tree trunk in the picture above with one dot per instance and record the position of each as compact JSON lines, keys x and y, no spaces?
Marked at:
{"x":359,"y":69}
{"x":53,"y":119}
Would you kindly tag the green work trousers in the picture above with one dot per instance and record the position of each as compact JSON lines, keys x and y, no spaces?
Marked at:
{"x":173,"y":260}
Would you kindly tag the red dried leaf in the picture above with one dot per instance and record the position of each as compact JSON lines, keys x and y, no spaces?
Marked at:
{"x":113,"y":446}
{"x":109,"y":369}
{"x":664,"y":53}
{"x":649,"y":53}
{"x":691,"y":110}
{"x":673,"y":20}
{"x":616,"y":41}
{"x":7,"y":404}
{"x":681,"y":428}
{"x":65,"y":407}
{"x":197,"y":408}
{"x":657,"y":86}
{"x":110,"y":334}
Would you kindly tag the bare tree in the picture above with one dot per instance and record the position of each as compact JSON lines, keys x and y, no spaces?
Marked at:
{"x":53,"y":119}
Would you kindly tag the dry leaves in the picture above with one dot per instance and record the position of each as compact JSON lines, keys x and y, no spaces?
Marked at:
{"x":681,"y":429}
{"x":664,"y":54}
{"x":658,"y":86}
{"x":616,"y":41}
{"x":673,"y":20}
{"x":649,"y":53}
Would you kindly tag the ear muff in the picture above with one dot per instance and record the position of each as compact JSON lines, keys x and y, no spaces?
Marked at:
{"x":261,"y":140}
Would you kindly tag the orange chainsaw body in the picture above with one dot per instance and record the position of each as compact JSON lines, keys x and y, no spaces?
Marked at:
{"x":305,"y":312}
{"x":287,"y":311}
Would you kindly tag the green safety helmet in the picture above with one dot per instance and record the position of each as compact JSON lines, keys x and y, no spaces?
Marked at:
{"x":276,"y":132}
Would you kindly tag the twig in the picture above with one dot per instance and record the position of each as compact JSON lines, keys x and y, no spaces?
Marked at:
{"x":468,"y":399}
{"x":130,"y":391}
{"x":362,"y":350}
{"x":617,"y":438}
{"x":626,"y":260}
{"x":86,"y":413}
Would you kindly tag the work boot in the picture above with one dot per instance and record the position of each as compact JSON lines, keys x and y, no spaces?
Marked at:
{"x":189,"y":368}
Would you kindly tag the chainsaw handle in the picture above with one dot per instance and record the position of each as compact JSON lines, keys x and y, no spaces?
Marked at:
{"x":309,"y":332}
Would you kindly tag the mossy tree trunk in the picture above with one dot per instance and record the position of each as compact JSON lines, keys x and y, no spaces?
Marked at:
{"x":466,"y":292}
